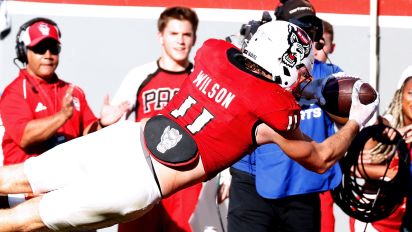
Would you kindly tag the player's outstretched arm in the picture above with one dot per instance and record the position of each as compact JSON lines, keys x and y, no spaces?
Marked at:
{"x":319,"y":157}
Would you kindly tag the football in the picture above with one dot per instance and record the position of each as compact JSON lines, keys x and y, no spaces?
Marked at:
{"x":338,"y":95}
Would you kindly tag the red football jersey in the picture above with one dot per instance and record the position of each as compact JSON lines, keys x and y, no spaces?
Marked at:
{"x":221,"y":103}
{"x":157,"y":90}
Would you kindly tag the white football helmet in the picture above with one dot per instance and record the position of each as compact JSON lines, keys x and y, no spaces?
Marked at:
{"x":282,"y":49}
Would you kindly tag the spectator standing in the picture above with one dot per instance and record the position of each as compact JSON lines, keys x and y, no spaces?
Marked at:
{"x":291,"y":201}
{"x":150,"y":87}
{"x":39,"y":110}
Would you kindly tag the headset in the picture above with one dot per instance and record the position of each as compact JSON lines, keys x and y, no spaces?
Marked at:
{"x":21,"y":48}
{"x":319,"y":45}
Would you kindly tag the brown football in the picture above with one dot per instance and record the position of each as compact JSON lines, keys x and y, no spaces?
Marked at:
{"x":338,"y":95}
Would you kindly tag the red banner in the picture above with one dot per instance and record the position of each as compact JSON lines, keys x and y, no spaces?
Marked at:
{"x":386,"y":7}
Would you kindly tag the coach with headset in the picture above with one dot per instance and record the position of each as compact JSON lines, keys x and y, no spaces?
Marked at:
{"x":39,"y":110}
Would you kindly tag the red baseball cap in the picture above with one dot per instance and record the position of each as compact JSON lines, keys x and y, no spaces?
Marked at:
{"x":39,"y":31}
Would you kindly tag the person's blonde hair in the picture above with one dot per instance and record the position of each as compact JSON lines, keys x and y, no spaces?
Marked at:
{"x":395,"y":116}
{"x":395,"y":107}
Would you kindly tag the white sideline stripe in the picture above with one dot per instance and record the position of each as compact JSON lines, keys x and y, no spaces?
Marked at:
{"x":205,"y":14}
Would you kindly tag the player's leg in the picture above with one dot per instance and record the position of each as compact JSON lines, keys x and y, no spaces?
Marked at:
{"x":118,"y":184}
{"x":75,"y":160}
{"x":13,"y":180}
{"x":53,"y":169}
{"x":23,"y":217}
{"x":95,"y":203}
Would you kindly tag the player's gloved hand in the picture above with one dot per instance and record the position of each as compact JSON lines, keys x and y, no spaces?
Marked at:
{"x":312,"y":93}
{"x":359,"y":112}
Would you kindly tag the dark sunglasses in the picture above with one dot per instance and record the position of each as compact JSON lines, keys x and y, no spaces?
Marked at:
{"x":42,"y":48}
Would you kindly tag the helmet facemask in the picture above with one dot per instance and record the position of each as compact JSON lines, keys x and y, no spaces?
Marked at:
{"x":304,"y":78}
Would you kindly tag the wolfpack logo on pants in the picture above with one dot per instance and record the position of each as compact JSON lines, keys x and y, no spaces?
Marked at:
{"x":168,"y":143}
{"x":169,"y":139}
